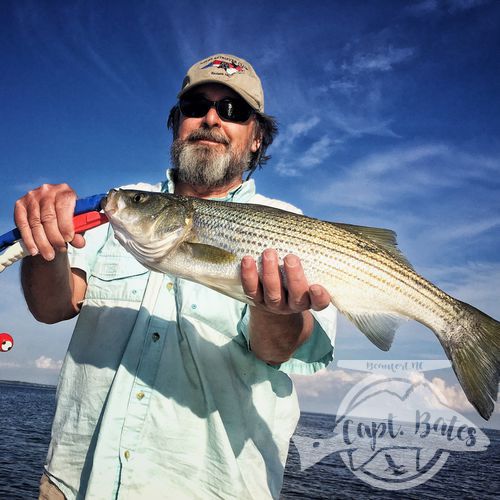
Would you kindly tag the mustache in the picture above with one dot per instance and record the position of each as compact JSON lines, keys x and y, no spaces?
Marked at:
{"x":202,"y":134}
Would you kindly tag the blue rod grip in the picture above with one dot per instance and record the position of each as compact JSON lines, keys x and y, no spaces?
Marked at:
{"x":83,"y":205}
{"x":89,"y":204}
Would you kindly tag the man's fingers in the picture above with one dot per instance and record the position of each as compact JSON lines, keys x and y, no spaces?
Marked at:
{"x":320,"y":298}
{"x":48,"y":219}
{"x":250,"y":280}
{"x":78,"y":241}
{"x":298,"y":288}
{"x":272,"y":281}
{"x":268,"y":290}
{"x":44,"y":217}
{"x":21,"y":220}
{"x":44,"y":246}
{"x":64,"y":208}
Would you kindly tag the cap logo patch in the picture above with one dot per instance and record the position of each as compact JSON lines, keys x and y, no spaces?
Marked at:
{"x":229,"y":68}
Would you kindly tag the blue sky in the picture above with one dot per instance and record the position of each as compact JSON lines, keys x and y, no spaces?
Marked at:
{"x":388,"y":112}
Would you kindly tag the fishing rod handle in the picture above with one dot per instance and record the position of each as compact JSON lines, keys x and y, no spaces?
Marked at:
{"x":14,"y":253}
{"x":89,"y":204}
{"x":81,"y":223}
{"x":82,"y":205}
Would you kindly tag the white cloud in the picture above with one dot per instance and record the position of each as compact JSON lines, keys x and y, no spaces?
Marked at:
{"x":382,"y":60}
{"x":467,"y":230}
{"x":462,"y":5}
{"x":300,"y":128}
{"x":293,"y":163}
{"x":45,"y":363}
{"x":423,"y":8}
{"x":383,"y":179}
{"x":295,"y":130}
{"x":453,"y":394}
{"x":354,"y":125}
{"x":24,"y":187}
{"x":326,"y":382}
{"x":343,"y":85}
{"x":348,"y":104}
{"x":316,"y":153}
{"x":427,"y":7}
{"x":9,"y":364}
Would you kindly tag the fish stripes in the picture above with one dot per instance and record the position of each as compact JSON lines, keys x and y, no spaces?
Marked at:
{"x":367,"y":277}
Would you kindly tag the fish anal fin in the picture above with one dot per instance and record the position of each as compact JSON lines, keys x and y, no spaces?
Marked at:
{"x":386,"y":238}
{"x":378,"y":327}
{"x":209,"y":253}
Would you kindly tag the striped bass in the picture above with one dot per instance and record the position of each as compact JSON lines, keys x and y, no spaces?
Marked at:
{"x":368,"y":278}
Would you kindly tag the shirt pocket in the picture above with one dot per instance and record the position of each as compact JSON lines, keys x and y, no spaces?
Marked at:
{"x":117,"y":278}
{"x":198,"y":304}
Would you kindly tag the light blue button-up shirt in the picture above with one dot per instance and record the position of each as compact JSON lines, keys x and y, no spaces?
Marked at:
{"x":159,"y":395}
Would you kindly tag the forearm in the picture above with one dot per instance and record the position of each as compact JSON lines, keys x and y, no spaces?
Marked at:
{"x":48,"y":288}
{"x":275,"y":337}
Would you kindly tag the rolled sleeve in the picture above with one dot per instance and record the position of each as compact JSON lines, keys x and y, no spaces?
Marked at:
{"x":314,"y":354}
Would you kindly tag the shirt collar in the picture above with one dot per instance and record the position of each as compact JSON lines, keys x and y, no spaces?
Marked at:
{"x":240,"y":194}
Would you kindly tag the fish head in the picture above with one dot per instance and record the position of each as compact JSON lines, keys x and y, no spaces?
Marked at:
{"x":147,"y":224}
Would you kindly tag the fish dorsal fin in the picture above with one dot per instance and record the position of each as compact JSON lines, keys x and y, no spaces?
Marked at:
{"x":386,"y":238}
{"x":378,"y":327}
{"x":209,"y":253}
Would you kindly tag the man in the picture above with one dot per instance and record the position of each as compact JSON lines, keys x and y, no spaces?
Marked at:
{"x":169,"y":389}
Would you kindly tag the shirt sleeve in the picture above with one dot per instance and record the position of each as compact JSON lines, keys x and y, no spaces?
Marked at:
{"x":314,"y":354}
{"x":84,"y":258}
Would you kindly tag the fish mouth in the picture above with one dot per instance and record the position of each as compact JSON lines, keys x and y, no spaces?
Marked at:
{"x":108,"y":203}
{"x":104,"y":201}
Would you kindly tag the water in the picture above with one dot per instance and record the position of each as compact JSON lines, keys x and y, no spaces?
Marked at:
{"x":464,"y":475}
{"x":26,"y":413}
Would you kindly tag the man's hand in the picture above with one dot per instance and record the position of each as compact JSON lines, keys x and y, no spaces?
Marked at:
{"x":280,"y":320}
{"x":269,"y":293}
{"x":44,"y":217}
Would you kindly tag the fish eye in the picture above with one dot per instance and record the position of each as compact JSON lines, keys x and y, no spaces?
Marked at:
{"x":138,"y":197}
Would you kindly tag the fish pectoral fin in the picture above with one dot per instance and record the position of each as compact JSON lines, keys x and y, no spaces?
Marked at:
{"x":208,"y":253}
{"x":386,"y":238}
{"x":231,"y":288}
{"x":378,"y":327}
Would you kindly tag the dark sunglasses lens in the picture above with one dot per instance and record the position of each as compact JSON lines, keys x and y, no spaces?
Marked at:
{"x":235,"y":110}
{"x":195,"y":108}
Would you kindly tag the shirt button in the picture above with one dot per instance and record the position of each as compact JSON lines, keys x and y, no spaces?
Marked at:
{"x":127,"y":454}
{"x":156,"y":337}
{"x":170,"y":285}
{"x":193,"y":306}
{"x":139,"y":395}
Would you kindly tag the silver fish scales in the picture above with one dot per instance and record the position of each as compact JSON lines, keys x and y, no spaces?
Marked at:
{"x":368,"y":278}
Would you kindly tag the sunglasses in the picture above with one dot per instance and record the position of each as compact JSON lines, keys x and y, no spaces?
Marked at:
{"x":229,"y":109}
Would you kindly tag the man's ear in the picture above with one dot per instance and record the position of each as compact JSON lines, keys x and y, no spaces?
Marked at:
{"x":257,"y":141}
{"x":256,"y":145}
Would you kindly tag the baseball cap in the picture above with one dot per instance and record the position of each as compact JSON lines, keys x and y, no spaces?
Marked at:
{"x":229,"y":70}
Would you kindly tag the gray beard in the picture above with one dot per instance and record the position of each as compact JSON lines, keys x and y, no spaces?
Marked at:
{"x":207,"y":166}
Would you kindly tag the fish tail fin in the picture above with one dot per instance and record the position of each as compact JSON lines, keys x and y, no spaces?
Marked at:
{"x":474,"y":349}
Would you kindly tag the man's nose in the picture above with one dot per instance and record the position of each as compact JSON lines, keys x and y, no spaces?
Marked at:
{"x":212,"y":119}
